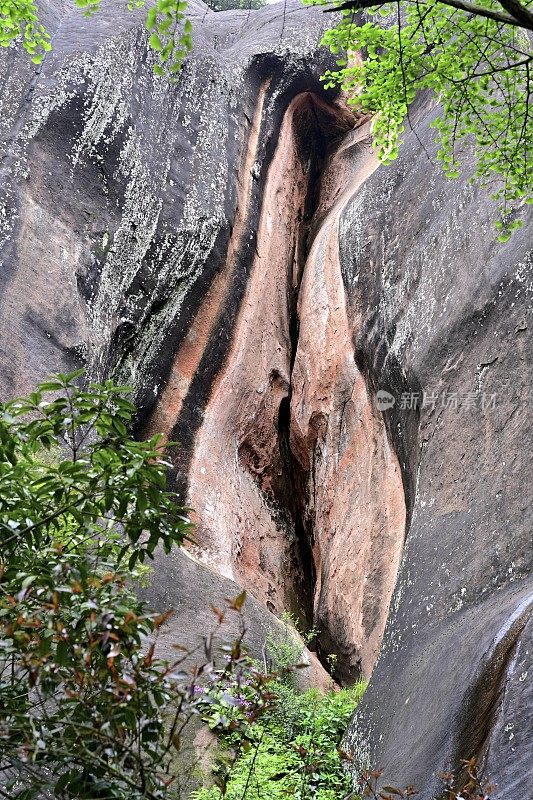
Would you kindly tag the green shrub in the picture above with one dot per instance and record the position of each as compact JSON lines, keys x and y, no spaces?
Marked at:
{"x":285,"y":646}
{"x":87,"y":711}
{"x":291,"y":751}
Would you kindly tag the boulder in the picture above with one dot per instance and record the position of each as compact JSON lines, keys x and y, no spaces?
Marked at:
{"x":443,"y":319}
{"x":195,"y":594}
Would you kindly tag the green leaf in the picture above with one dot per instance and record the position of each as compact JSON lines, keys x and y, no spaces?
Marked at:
{"x":151,"y":19}
{"x":62,"y":653}
{"x":155,"y":42}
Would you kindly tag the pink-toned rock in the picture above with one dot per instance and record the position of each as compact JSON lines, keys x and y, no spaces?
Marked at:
{"x":348,"y":491}
{"x":354,"y":499}
{"x":237,"y":529}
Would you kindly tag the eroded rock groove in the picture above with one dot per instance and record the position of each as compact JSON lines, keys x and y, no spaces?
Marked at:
{"x":274,"y":395}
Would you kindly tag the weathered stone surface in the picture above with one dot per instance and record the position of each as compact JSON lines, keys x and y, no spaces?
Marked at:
{"x":191,"y":590}
{"x":355,"y":509}
{"x":446,"y":310}
{"x":230,"y":246}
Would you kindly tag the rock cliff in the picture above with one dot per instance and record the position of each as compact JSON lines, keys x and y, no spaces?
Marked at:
{"x":342,"y":350}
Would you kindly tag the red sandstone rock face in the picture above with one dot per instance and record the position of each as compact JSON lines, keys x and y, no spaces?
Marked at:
{"x":237,"y":529}
{"x":347,"y":497}
{"x":191,"y":350}
{"x":355,"y":501}
{"x":290,"y":446}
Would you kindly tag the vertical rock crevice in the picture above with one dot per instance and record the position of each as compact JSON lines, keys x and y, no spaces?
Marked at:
{"x":249,"y":526}
{"x":286,"y":460}
{"x":355,"y":499}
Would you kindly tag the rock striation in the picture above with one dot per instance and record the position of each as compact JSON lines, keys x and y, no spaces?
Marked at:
{"x":342,"y":350}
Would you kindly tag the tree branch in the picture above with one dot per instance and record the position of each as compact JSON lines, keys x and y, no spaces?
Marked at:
{"x":519,"y":12}
{"x":519,"y":17}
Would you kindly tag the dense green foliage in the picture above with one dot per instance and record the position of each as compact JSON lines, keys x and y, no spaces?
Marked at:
{"x":292,"y":750}
{"x":81,"y":705}
{"x":479,"y":69}
{"x":86,"y":709}
{"x":170,"y":31}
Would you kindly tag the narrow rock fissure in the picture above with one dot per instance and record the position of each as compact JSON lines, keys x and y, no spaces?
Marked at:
{"x":304,"y":476}
{"x":313,"y":146}
{"x":295,"y":477}
{"x":267,"y":385}
{"x":295,"y":494}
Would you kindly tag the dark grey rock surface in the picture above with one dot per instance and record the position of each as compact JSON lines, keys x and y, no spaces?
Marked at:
{"x":119,"y":189}
{"x":446,"y":311}
{"x":192,"y":591}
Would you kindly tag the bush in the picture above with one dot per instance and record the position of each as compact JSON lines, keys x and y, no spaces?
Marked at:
{"x":86,"y":709}
{"x":284,"y":647}
{"x":291,"y":751}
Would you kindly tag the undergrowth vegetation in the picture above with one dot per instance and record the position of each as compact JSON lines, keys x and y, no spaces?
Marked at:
{"x":292,"y":750}
{"x":87,"y":710}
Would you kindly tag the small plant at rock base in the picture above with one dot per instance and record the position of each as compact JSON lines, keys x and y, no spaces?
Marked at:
{"x":285,"y":647}
{"x":469,"y":781}
{"x":331,"y":661}
{"x":292,"y":750}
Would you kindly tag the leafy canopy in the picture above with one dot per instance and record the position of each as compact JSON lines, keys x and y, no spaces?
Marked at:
{"x":475,"y":57}
{"x":477,"y":61}
{"x":170,"y":31}
{"x":109,"y":479}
